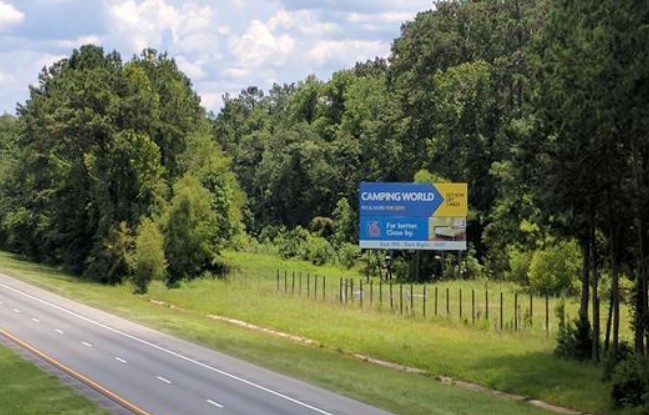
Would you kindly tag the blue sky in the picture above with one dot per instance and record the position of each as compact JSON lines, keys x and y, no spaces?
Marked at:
{"x":222,"y":45}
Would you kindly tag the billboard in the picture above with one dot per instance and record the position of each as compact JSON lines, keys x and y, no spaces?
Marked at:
{"x":413,"y":216}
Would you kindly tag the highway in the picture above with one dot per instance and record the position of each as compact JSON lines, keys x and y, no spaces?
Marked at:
{"x":149,"y":372}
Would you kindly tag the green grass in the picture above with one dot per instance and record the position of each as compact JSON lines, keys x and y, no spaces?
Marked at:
{"x":25,"y":389}
{"x":515,"y":362}
{"x":533,"y":316}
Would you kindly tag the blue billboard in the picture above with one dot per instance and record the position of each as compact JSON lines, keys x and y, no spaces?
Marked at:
{"x":413,"y":216}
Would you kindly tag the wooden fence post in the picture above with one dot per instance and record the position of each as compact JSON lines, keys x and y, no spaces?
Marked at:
{"x":412,"y":300}
{"x":515,"y":311}
{"x":278,"y":280}
{"x":400,"y":298}
{"x":360,"y":291}
{"x":472,"y":306}
{"x":424,"y":297}
{"x":501,"y":311}
{"x":293,"y":283}
{"x":460,"y":304}
{"x":531,"y":311}
{"x":486,"y":304}
{"x":547,"y":314}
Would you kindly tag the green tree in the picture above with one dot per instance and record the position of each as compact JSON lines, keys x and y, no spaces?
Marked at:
{"x":191,"y":231}
{"x":148,"y":259}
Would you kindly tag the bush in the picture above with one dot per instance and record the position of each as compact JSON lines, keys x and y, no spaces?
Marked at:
{"x":574,"y":338}
{"x":470,"y":267}
{"x":348,"y":254}
{"x":519,"y":265}
{"x":555,"y":270}
{"x":318,"y":250}
{"x":611,"y":360}
{"x":630,"y":384}
{"x":108,"y":262}
{"x":148,"y":260}
{"x":291,"y":243}
{"x":191,"y":231}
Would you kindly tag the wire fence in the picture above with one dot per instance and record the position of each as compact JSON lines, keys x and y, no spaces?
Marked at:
{"x":496,"y":309}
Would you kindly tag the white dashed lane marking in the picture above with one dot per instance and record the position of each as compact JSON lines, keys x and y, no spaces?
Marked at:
{"x":59,"y":331}
{"x":211,"y":402}
{"x":16,"y":310}
{"x":167,"y":381}
{"x":86,"y":344}
{"x":35,"y":320}
{"x":119,"y":359}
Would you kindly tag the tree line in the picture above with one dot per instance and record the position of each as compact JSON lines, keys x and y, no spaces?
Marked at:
{"x":539,"y":105}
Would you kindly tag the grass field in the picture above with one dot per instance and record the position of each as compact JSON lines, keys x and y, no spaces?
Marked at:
{"x":469,"y":303}
{"x":26,"y":390}
{"x":514,"y":362}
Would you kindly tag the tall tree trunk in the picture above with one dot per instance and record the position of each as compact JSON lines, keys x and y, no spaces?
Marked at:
{"x":614,"y":307}
{"x":640,"y":300}
{"x":595,"y":265}
{"x":607,"y":338}
{"x":615,"y":303}
{"x":585,"y":280}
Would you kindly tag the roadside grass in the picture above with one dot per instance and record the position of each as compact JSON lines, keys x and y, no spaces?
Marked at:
{"x":514,"y":362}
{"x":25,"y":389}
{"x":474,"y":303}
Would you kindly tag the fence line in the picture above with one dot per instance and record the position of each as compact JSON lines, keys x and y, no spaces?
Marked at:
{"x":519,"y":316}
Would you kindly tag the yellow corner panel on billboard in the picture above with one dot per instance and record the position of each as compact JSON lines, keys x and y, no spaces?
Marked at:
{"x":455,"y":202}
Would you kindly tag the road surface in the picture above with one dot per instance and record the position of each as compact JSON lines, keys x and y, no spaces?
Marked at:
{"x":150,"y":372}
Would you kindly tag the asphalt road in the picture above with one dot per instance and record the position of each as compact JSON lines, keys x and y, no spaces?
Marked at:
{"x":154,"y":372}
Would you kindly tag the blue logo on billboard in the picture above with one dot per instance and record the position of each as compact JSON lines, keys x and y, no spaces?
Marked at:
{"x":374,"y":229}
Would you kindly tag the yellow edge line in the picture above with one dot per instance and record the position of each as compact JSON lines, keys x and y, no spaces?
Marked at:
{"x":94,"y":385}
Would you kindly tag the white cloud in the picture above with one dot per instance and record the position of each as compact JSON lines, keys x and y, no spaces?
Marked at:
{"x":80,"y":41}
{"x":144,"y":24}
{"x":211,"y":100}
{"x":387,"y":17}
{"x":237,"y":72}
{"x":260,"y":47}
{"x":9,"y":15}
{"x":193,"y":69}
{"x":347,"y":51}
{"x":307,"y":22}
{"x":5,"y":79}
{"x":222,"y":45}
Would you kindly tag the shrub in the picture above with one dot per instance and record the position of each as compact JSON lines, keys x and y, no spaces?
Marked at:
{"x":555,"y":270}
{"x":611,"y":360}
{"x":148,"y":260}
{"x":291,"y":243}
{"x":519,"y":265}
{"x":348,"y":254}
{"x":574,"y":338}
{"x":470,"y":267}
{"x":191,"y":231}
{"x":630,"y":383}
{"x":109,"y":262}
{"x":318,"y":250}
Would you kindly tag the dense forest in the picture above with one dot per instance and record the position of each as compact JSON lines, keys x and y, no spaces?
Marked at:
{"x":113,"y":170}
